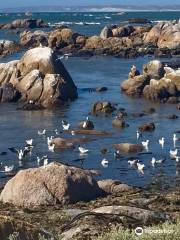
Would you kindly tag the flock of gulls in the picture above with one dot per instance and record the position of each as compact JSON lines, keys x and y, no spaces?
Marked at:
{"x":29,"y":145}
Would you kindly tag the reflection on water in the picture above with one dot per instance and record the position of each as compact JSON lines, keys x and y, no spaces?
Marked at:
{"x":17,"y":126}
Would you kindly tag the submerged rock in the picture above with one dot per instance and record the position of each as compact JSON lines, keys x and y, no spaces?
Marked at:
{"x":50,"y":185}
{"x":147,"y":127}
{"x":119,"y":123}
{"x":102,"y":107}
{"x":87,"y":124}
{"x":8,"y":47}
{"x":25,"y":23}
{"x":128,"y":147}
{"x":110,"y":186}
{"x":39,"y":77}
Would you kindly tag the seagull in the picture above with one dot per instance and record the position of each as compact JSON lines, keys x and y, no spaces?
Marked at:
{"x":117,"y":154}
{"x":42,"y":133}
{"x":83,"y":150}
{"x":72,"y":133}
{"x":45,"y":163}
{"x":29,"y":142}
{"x":154,"y":161}
{"x":138,"y":134}
{"x":145,"y":144}
{"x":65,"y":125}
{"x":51,"y":147}
{"x":8,"y":168}
{"x":104,"y":163}
{"x":40,"y":159}
{"x":133,"y":162}
{"x":140,"y":167}
{"x":161,"y":142}
{"x":177,"y":158}
{"x":49,"y":140}
{"x":174,"y":139}
{"x":56,"y":132}
{"x":85,"y":122}
{"x":173,"y":153}
{"x":21,"y":153}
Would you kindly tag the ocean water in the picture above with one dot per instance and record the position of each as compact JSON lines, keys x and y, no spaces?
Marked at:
{"x":17,"y":126}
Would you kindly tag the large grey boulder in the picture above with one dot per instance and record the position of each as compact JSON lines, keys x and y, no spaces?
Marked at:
{"x":40,"y":77}
{"x":49,"y":185}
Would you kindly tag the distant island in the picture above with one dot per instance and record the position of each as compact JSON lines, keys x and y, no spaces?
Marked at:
{"x":93,"y":8}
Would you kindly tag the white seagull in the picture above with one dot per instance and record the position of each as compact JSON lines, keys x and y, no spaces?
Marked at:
{"x":51,"y":147}
{"x":45,"y":163}
{"x":65,"y":125}
{"x":174,"y":139}
{"x":40,"y":159}
{"x":8,"y":168}
{"x":73,"y":133}
{"x":145,"y":144}
{"x":49,"y":140}
{"x":154,"y":161}
{"x":133,"y":162}
{"x":173,"y":153}
{"x":177,"y":158}
{"x":162,"y":141}
{"x":29,"y":142}
{"x":138,"y":134}
{"x":140,"y":167}
{"x":42,"y":132}
{"x":104,"y":163}
{"x":83,"y":150}
{"x":20,"y":153}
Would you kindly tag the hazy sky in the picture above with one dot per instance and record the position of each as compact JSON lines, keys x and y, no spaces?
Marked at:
{"x":18,"y":3}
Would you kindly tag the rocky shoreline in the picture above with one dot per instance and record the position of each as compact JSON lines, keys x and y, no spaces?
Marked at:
{"x":129,"y":41}
{"x":117,"y":205}
{"x":157,"y":82}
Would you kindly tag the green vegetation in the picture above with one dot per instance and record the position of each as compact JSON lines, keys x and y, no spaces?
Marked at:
{"x":165,"y":231}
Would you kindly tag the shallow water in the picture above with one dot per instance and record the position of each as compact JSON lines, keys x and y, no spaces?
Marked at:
{"x":17,"y":126}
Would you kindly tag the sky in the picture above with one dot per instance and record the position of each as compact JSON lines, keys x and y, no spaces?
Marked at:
{"x":24,"y":3}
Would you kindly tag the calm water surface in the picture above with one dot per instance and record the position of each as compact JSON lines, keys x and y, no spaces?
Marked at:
{"x":17,"y":126}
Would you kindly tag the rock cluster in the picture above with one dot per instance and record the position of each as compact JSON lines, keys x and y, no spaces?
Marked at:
{"x":123,"y":41}
{"x":8,"y":47}
{"x":24,"y":23}
{"x":157,"y":82}
{"x":57,"y":184}
{"x":38,"y":77}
